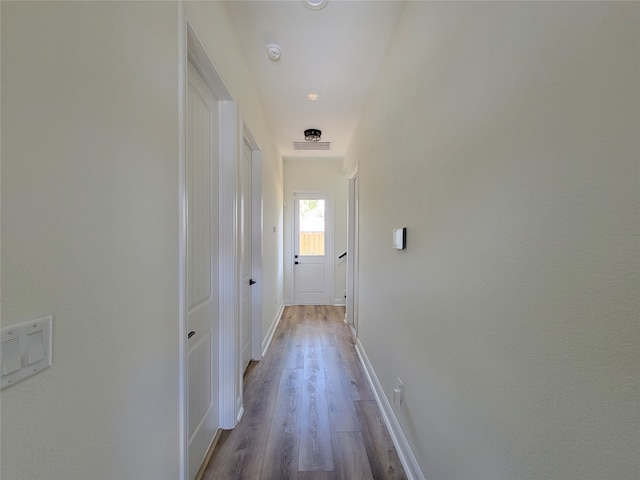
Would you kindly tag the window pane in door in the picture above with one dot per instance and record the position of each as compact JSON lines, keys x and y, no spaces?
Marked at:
{"x":311,"y":224}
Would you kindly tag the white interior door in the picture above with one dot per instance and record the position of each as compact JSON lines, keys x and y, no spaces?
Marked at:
{"x":246,"y":252}
{"x":313,"y":249}
{"x":202,"y":268}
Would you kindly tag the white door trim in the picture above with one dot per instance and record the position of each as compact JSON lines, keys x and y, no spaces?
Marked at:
{"x":352,"y":253}
{"x":230,"y":374}
{"x":183,"y":417}
{"x":190,"y":48}
{"x":256,"y":243}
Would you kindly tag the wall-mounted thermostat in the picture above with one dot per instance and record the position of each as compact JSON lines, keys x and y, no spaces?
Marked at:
{"x":400,"y":238}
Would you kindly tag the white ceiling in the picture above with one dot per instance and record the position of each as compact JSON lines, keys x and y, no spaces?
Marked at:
{"x":335,"y":52}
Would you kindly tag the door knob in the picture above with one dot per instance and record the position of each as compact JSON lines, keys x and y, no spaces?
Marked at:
{"x":251,"y":281}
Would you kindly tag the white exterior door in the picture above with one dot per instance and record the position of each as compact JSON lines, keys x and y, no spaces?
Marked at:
{"x":245,"y":252}
{"x":313,"y":249}
{"x":202,"y":268}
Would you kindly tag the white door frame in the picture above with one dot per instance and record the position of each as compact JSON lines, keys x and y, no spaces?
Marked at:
{"x":256,"y":262}
{"x":190,"y":48}
{"x":352,"y":254}
{"x":256,"y":242}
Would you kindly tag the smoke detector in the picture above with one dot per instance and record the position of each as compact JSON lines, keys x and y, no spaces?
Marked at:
{"x":274,"y":51}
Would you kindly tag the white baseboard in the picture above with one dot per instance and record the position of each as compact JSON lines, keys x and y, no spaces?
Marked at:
{"x":338,"y":302}
{"x":272,"y":329}
{"x":354,"y":334}
{"x":405,"y":453}
{"x":207,"y":457}
{"x":240,"y":414}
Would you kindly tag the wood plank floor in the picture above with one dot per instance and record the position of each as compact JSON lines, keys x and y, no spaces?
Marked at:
{"x":309,"y":411}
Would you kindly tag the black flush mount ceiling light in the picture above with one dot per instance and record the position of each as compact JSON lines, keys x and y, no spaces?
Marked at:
{"x":312,"y":135}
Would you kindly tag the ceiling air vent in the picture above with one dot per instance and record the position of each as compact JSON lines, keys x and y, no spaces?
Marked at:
{"x":312,"y":145}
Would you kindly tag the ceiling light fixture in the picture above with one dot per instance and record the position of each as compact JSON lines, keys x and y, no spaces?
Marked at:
{"x":312,"y":135}
{"x":312,"y":96}
{"x":315,"y":4}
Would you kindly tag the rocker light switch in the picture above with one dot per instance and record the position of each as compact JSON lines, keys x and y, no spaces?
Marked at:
{"x":35,"y":347}
{"x":11,"y":356}
{"x":26,"y":350}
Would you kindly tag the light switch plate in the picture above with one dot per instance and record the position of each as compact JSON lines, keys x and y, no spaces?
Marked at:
{"x":25,"y":350}
{"x":400,"y":238}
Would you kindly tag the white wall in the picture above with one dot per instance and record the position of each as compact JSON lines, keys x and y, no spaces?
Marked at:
{"x":317,"y":174}
{"x":214,"y":27}
{"x":90,"y":235}
{"x":505,"y":137}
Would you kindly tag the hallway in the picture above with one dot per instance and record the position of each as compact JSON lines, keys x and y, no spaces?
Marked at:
{"x":309,"y":410}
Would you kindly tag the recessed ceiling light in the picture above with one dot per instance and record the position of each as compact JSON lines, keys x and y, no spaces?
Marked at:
{"x":312,"y":96}
{"x":315,"y":4}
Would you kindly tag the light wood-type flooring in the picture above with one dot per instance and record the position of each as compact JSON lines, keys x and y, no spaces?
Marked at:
{"x":309,"y":411}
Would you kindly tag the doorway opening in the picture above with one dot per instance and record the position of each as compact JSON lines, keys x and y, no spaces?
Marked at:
{"x":251,"y":224}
